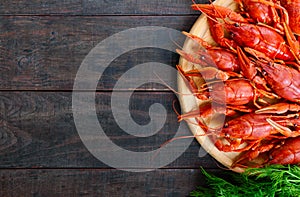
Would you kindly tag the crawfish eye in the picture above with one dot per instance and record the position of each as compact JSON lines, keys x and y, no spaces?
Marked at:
{"x":270,"y":157}
{"x":236,"y":24}
{"x":226,"y":125}
{"x":264,"y":73}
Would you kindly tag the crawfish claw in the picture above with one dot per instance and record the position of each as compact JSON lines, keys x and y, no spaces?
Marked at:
{"x":279,"y":108}
{"x":216,"y":11}
{"x":283,"y":130}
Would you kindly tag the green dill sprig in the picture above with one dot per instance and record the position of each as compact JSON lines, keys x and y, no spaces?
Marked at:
{"x":270,"y":181}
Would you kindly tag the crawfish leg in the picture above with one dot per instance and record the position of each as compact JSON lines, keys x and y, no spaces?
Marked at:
{"x":233,"y":146}
{"x":293,"y":43}
{"x":252,"y":154}
{"x":249,"y":69}
{"x":240,"y":108}
{"x":279,"y":108}
{"x":197,"y":39}
{"x":284,"y":130}
{"x":191,"y":84}
{"x":217,"y":32}
{"x":277,"y":6}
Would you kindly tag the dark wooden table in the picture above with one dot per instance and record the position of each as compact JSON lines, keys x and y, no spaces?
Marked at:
{"x":42,"y":45}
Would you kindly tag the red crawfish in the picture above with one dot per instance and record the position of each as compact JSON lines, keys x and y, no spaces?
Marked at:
{"x":207,"y":109}
{"x":289,"y":21}
{"x":223,"y":59}
{"x":253,"y":128}
{"x":287,"y":153}
{"x":283,"y":80}
{"x":293,"y":9}
{"x":243,"y":34}
{"x":260,"y":38}
{"x":233,"y":92}
{"x":287,"y":125}
{"x":279,"y":108}
{"x":246,"y":158}
{"x":217,"y":30}
{"x":250,"y":71}
{"x":259,"y":11}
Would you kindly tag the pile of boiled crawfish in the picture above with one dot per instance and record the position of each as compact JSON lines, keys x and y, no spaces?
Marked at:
{"x":257,"y":60}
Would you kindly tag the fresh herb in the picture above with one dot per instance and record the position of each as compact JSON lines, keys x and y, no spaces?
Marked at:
{"x":274,"y":180}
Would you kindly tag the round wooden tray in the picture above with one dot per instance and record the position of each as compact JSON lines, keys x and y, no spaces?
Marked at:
{"x":188,"y":102}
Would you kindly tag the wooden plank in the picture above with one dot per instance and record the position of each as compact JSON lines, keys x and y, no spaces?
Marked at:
{"x":95,"y":182}
{"x":97,"y":7}
{"x":44,"y":53}
{"x":38,"y":130}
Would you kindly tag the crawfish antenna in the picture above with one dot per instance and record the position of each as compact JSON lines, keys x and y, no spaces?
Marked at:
{"x":169,"y":87}
{"x":175,"y":42}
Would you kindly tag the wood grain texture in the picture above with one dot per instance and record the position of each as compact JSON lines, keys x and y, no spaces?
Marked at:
{"x":44,"y":53}
{"x":42,"y":44}
{"x":97,"y":7}
{"x":97,"y":182}
{"x":40,"y":130}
